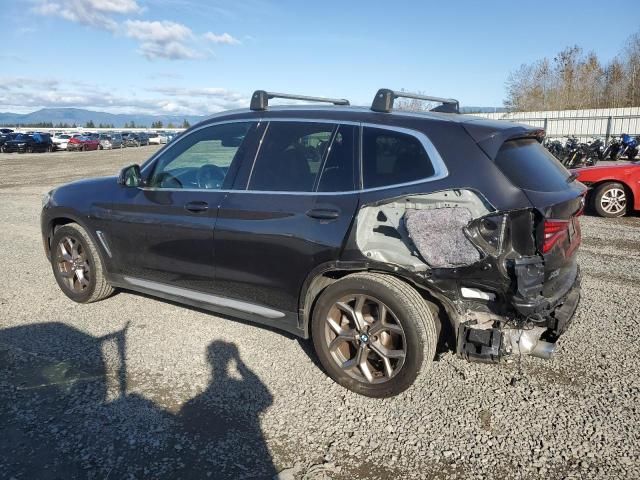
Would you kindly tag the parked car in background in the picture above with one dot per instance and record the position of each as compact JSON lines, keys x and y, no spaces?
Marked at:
{"x":131,"y":140}
{"x":109,"y":141}
{"x":136,"y":140}
{"x":27,"y":143}
{"x":158,"y":138}
{"x":82,"y":143}
{"x":60,"y":141}
{"x":614,"y":190}
{"x":4,"y":137}
{"x":6,"y":130}
{"x":171,"y":136}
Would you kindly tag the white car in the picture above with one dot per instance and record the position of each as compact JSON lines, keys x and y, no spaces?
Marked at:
{"x":60,"y":141}
{"x":157,"y":138}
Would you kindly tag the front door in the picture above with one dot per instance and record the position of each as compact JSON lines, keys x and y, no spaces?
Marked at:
{"x":163,"y":231}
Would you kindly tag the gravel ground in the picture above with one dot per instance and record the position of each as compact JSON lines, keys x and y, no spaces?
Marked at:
{"x":136,"y":387}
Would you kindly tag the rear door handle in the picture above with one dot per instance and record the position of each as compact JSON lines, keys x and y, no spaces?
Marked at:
{"x":323,"y":213}
{"x":196,"y":207}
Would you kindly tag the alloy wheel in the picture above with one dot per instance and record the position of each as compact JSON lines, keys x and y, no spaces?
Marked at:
{"x":365,"y":339}
{"x":613,"y":201}
{"x":72,"y":264}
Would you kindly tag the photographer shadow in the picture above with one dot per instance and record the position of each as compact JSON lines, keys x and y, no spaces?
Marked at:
{"x":65,"y":412}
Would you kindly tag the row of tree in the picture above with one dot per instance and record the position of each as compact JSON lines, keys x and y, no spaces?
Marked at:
{"x":574,"y":79}
{"x":91,"y":124}
{"x":157,"y":125}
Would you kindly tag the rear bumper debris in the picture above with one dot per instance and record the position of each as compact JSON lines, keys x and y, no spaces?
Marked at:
{"x":536,"y":336}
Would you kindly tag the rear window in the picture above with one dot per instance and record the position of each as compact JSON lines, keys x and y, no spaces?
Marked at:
{"x":531,"y":167}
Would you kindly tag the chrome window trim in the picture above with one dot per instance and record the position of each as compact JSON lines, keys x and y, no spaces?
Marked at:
{"x":439,"y":167}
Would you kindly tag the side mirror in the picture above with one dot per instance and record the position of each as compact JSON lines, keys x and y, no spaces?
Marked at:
{"x":130,"y":176}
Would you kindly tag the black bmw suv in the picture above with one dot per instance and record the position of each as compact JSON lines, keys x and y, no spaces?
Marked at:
{"x":376,"y":233}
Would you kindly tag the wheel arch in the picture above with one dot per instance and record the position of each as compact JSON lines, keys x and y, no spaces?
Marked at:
{"x":323,"y":276}
{"x":55,"y":222}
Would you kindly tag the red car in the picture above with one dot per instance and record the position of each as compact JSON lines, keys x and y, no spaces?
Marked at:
{"x":83,"y":143}
{"x":614,"y":190}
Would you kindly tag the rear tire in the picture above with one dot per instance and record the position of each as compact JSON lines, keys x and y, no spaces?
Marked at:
{"x":610,"y":200}
{"x":77,"y":266}
{"x":394,"y":344}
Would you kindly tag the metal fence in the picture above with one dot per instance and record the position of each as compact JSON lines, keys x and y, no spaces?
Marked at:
{"x":584,"y":124}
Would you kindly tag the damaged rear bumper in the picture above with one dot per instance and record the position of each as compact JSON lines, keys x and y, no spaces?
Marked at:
{"x":535,"y":336}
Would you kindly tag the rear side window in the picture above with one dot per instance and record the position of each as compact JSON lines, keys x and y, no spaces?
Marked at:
{"x":390,"y":158}
{"x":531,"y":167}
{"x":304,"y":157}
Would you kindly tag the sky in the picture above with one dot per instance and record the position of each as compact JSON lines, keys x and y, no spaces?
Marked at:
{"x":201,"y":56}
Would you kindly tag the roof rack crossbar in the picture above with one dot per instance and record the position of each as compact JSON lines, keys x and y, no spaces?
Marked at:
{"x":383,"y":101}
{"x":260,"y":99}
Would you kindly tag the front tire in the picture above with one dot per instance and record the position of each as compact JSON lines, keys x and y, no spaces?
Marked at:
{"x":77,"y":266}
{"x":374,"y":334}
{"x":610,"y":200}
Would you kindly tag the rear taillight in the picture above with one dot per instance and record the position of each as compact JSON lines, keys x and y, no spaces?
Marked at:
{"x":554,"y":231}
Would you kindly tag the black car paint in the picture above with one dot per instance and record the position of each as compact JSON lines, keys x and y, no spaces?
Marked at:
{"x":265,"y":248}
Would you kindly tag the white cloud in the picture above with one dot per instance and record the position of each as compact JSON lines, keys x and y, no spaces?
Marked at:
{"x":225,"y":38}
{"x":161,"y":39}
{"x":24,"y":94}
{"x":95,"y":13}
{"x":157,"y":39}
{"x":157,"y":32}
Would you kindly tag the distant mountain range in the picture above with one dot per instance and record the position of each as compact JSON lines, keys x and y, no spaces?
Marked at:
{"x":80,"y":117}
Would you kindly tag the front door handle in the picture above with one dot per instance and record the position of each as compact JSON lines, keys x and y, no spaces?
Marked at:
{"x":196,"y":207}
{"x":323,"y":213}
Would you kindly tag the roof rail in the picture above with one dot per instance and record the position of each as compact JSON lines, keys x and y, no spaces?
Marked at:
{"x":260,"y":99}
{"x":383,"y":101}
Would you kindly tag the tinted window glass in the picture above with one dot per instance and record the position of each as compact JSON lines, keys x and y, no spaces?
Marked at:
{"x":202,"y":159}
{"x":338,"y":174}
{"x":291,"y":156}
{"x":391,"y":157}
{"x":531,"y":167}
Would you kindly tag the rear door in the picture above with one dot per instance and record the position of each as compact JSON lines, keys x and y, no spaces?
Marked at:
{"x":290,"y":212}
{"x":559,"y":200}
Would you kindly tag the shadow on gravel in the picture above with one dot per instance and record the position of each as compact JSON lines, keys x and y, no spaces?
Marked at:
{"x":65,"y":414}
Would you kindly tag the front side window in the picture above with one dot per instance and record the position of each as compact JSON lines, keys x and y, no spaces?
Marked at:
{"x":390,"y":158}
{"x":202,"y":159}
{"x":296,"y":156}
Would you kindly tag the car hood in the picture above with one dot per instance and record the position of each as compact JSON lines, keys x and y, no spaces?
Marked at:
{"x":88,"y":184}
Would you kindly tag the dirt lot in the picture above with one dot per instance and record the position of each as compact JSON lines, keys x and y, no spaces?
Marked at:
{"x":135,"y":387}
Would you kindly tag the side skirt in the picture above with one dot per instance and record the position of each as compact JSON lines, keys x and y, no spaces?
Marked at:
{"x":287,"y":321}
